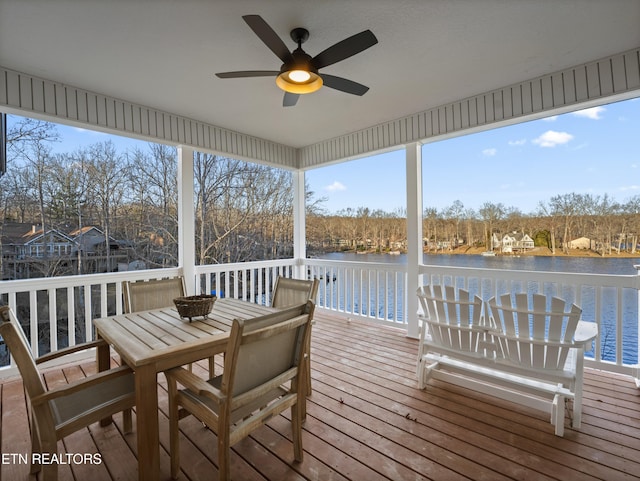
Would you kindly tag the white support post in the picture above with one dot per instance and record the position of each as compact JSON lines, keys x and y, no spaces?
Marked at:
{"x":186,"y":219}
{"x":414,"y":234}
{"x":299,"y":224}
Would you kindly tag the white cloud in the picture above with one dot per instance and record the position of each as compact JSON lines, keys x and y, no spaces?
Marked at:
{"x":335,"y":187}
{"x":592,"y":113}
{"x":490,"y":152}
{"x":627,"y":188}
{"x":553,"y":118}
{"x":551,"y":138}
{"x":89,"y":132}
{"x":517,"y":143}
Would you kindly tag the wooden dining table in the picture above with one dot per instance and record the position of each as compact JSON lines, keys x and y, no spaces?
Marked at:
{"x":154,"y":341}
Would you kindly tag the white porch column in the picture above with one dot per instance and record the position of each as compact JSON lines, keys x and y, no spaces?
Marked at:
{"x":414,"y":233}
{"x":299,"y":224}
{"x":186,"y":219}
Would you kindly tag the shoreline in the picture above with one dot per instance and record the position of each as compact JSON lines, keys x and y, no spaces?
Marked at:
{"x":543,"y":252}
{"x":536,"y":251}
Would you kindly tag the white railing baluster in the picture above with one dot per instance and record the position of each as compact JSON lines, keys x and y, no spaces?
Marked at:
{"x":71,"y":315}
{"x":88,"y":331}
{"x":33,"y":320}
{"x":103,"y":300}
{"x":53,"y":324}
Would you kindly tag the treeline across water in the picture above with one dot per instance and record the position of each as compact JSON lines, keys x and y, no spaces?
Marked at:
{"x":607,"y":226}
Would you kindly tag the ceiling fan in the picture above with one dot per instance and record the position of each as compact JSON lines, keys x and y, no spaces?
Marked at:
{"x":299,"y":72}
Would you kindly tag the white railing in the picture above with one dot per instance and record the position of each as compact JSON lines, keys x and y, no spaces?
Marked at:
{"x":374,"y":292}
{"x":367,"y":290}
{"x":249,"y":281}
{"x":76,"y":300}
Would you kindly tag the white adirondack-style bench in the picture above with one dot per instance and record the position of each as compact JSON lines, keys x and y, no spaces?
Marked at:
{"x":523,"y":348}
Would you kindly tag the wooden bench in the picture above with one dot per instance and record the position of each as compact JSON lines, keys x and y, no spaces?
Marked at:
{"x":523,"y":348}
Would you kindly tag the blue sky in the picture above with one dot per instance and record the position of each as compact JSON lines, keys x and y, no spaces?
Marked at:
{"x":75,"y":138}
{"x":591,"y":151}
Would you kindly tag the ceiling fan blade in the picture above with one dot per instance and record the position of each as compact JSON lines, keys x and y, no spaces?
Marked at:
{"x":344,"y":85}
{"x":290,"y":99}
{"x":345,"y":49}
{"x":268,"y":36}
{"x":248,"y":73}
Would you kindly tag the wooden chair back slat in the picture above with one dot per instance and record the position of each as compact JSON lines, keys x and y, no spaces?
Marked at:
{"x":292,"y":292}
{"x":152,"y":294}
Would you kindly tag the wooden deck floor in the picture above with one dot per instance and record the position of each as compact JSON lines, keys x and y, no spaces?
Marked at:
{"x":368,"y":421}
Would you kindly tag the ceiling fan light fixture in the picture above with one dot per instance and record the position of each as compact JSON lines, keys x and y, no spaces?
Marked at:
{"x":298,"y":81}
{"x":299,"y":76}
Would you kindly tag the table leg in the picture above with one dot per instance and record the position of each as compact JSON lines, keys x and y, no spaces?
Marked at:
{"x":147,"y":423}
{"x":103,"y":362}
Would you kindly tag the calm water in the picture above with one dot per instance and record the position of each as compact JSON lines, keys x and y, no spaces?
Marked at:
{"x":550,"y":264}
{"x":590,"y":265}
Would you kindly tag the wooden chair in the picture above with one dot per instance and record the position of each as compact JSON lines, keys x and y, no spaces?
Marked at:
{"x":58,"y":412}
{"x":151,"y":294}
{"x":263,"y":355}
{"x":291,"y":292}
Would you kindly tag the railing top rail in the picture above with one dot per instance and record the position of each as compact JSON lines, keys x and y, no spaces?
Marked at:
{"x":359,"y":264}
{"x":36,"y":284}
{"x":602,"y":280}
{"x":201,"y":269}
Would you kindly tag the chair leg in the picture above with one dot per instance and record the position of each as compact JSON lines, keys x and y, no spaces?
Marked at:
{"x":308,"y":366}
{"x":35,"y":447}
{"x":303,"y":385}
{"x":576,"y":384}
{"x":557,"y":415}
{"x":296,"y":427}
{"x":49,"y":471}
{"x":212,"y":367}
{"x":127,"y":422}
{"x":224,"y":452}
{"x":174,"y":441}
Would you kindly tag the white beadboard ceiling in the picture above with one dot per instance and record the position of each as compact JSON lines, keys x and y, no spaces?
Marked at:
{"x":163,"y":54}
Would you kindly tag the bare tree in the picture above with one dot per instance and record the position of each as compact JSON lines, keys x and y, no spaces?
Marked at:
{"x":108,"y":173}
{"x":490,"y":213}
{"x":566,"y":207}
{"x":456,"y":213}
{"x":631,"y":213}
{"x":153,"y":201}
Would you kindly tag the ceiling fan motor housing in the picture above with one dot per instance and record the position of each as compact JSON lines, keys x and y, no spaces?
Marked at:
{"x":299,"y":35}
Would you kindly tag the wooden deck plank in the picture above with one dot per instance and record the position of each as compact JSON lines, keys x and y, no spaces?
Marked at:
{"x":14,"y":427}
{"x":367,"y":420}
